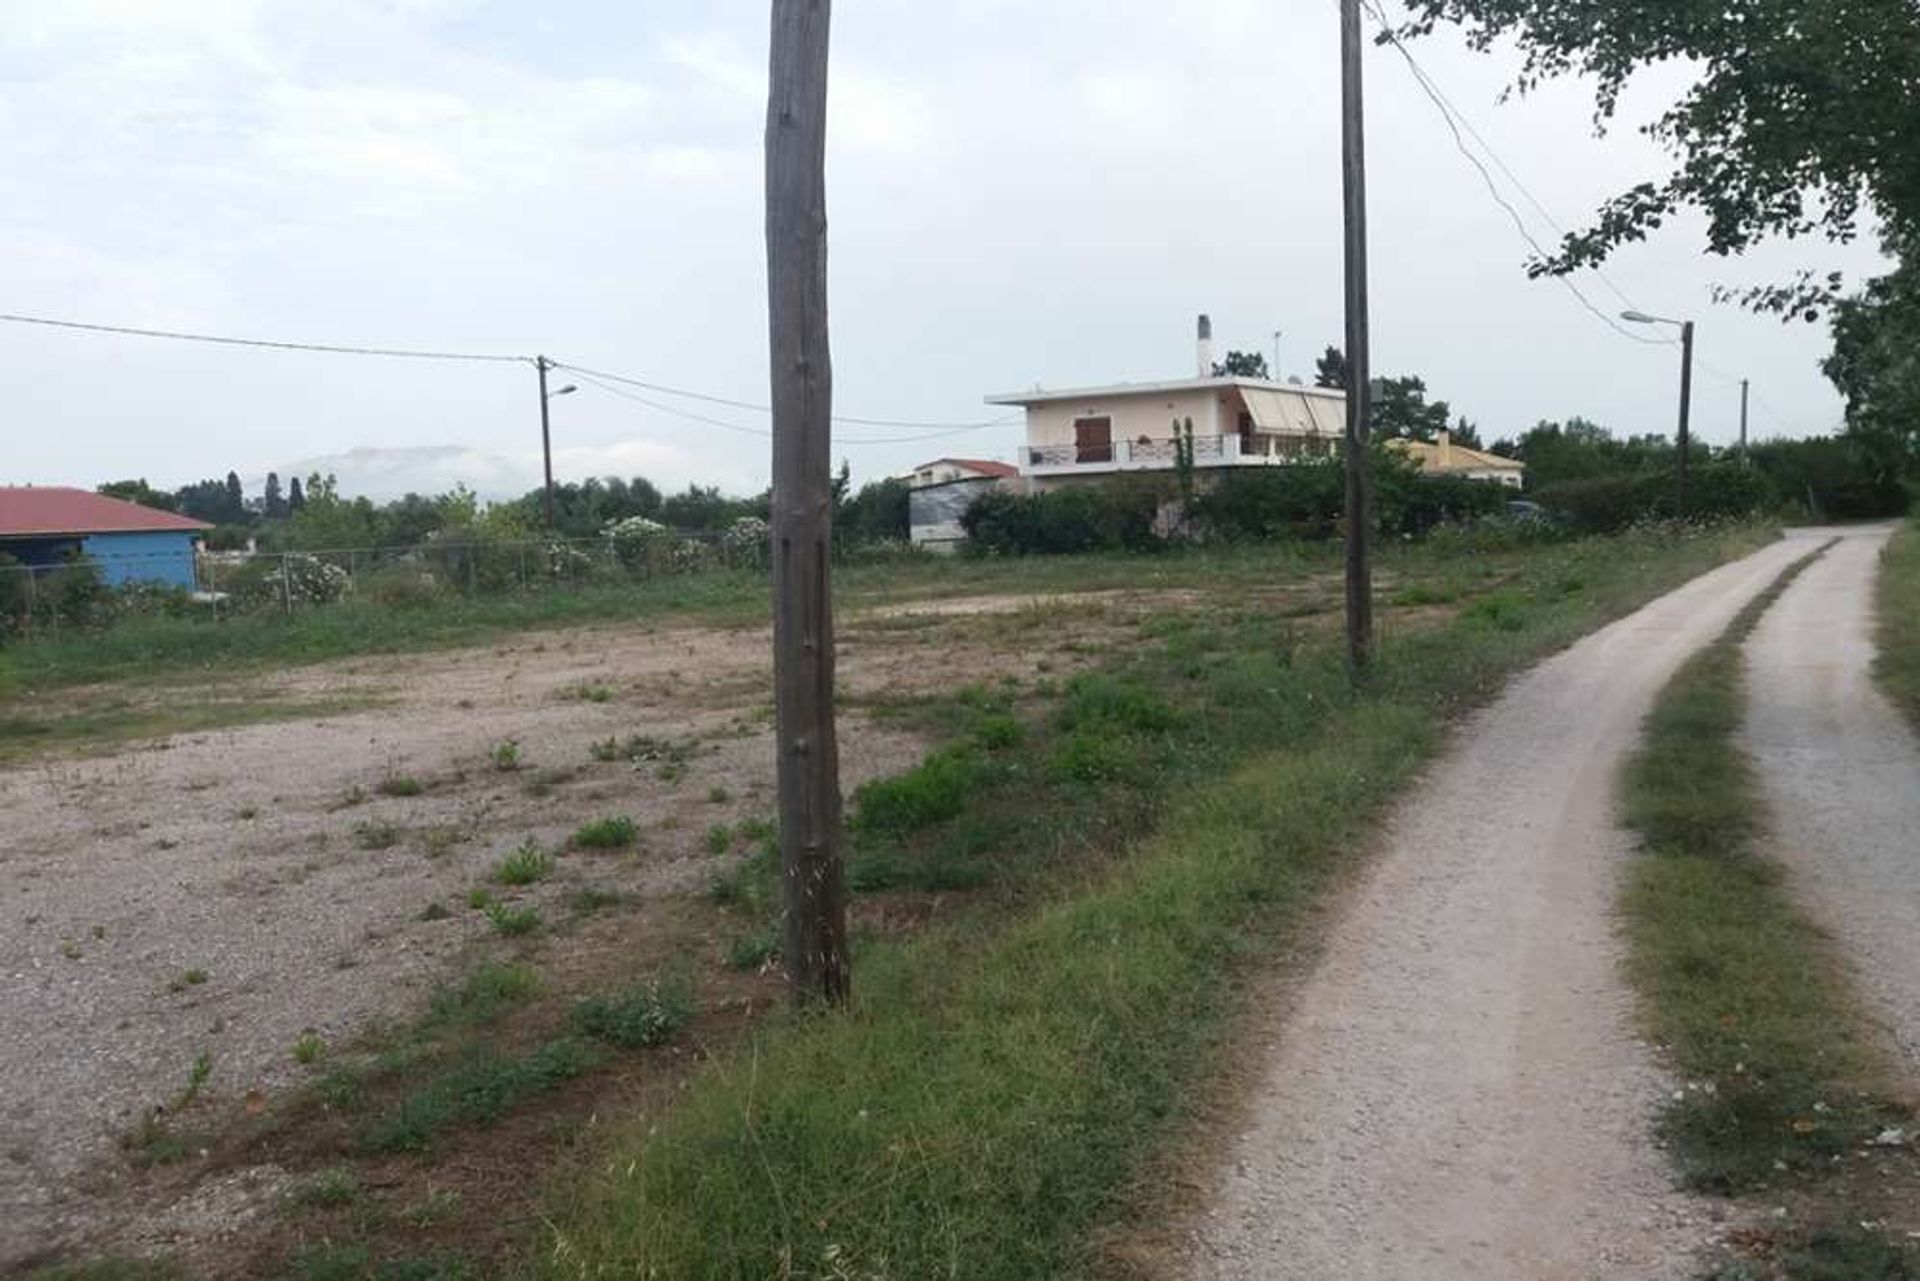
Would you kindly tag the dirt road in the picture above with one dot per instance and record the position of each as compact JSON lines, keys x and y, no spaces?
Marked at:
{"x":1456,"y":1091}
{"x":1842,"y":774}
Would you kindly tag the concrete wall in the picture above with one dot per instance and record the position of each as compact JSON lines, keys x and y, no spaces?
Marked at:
{"x":158,"y":557}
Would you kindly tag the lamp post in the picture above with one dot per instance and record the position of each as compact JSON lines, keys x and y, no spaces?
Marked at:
{"x":1686,"y":394}
{"x":541,"y":364}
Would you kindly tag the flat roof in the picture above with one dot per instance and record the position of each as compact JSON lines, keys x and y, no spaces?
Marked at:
{"x":1043,"y":397}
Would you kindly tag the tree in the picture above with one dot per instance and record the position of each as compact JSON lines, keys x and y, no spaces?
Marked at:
{"x":1330,"y":370}
{"x":272,"y":505}
{"x":296,"y":496}
{"x":216,"y":502}
{"x":1802,"y":119}
{"x":1242,"y":364}
{"x":1466,"y":433}
{"x":1401,"y":408}
{"x":138,"y":491}
{"x":1876,"y":365}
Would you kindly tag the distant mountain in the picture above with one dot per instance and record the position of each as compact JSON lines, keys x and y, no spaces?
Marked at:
{"x":386,"y":474}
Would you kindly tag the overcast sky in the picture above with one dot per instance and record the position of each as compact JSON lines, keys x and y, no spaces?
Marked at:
{"x":1019,"y":193}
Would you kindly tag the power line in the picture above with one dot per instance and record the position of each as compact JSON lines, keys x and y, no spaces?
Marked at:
{"x":1448,"y":115}
{"x":598,"y":380}
{"x":663,"y":389}
{"x":222,"y":340}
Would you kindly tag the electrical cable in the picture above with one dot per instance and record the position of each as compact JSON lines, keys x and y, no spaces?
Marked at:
{"x":1493,"y":189}
{"x":663,"y":389}
{"x":331,"y":348}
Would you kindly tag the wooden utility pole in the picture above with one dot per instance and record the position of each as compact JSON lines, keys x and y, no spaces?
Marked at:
{"x":1359,"y":389}
{"x":813,"y":882}
{"x":1686,"y":414}
{"x":541,"y":364}
{"x":1743,"y":421}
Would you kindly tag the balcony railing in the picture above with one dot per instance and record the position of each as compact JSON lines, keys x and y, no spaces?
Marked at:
{"x":1150,"y":453}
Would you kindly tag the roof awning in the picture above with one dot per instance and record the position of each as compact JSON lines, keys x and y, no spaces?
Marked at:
{"x":1290,"y":412}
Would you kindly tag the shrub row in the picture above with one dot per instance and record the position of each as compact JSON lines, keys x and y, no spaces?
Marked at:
{"x":1301,"y":500}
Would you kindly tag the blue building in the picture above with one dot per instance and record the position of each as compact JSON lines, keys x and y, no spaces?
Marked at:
{"x":44,"y":528}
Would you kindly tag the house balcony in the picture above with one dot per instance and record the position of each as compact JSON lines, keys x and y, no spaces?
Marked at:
{"x":1256,"y":449}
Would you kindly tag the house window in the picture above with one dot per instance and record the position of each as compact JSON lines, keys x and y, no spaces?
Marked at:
{"x":1093,"y":440}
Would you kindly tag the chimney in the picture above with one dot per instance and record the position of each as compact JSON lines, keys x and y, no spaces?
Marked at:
{"x":1445,"y":440}
{"x":1206,"y":346}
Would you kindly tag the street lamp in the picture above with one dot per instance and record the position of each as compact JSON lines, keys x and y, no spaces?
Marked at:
{"x":541,"y":365}
{"x":1686,"y":394}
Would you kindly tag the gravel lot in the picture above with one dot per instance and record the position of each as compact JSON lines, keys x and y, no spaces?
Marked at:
{"x":246,"y":856}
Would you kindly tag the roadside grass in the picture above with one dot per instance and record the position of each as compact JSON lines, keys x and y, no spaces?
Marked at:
{"x":1779,"y":1064}
{"x":1898,"y":634}
{"x":1009,"y":1075}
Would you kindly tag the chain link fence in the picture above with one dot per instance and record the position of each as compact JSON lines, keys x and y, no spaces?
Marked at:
{"x":96,"y":591}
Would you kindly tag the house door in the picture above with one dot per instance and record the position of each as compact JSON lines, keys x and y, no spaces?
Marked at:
{"x":1093,"y":440}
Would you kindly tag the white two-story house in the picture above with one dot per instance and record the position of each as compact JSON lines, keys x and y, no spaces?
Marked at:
{"x":1236,"y":422}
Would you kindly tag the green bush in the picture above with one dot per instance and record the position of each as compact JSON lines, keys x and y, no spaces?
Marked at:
{"x":1831,"y":477}
{"x":932,"y":792}
{"x":1112,"y":516}
{"x":648,"y":1014}
{"x":1608,"y":504}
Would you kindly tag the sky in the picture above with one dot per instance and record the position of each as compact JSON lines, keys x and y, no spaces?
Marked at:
{"x":1018,"y":194}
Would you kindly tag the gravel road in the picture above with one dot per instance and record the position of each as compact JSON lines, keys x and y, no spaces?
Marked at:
{"x":1456,"y":1091}
{"x":1842,"y":774}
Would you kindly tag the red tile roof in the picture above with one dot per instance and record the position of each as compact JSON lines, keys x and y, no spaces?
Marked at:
{"x":34,"y":509}
{"x":985,"y":466}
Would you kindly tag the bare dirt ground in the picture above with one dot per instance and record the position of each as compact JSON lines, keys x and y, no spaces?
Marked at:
{"x":1841,"y":770}
{"x":1456,"y":1090}
{"x":225,"y":893}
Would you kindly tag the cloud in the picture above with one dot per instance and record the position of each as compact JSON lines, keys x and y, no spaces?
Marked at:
{"x":1017,"y":193}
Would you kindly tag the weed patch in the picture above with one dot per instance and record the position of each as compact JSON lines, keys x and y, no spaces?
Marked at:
{"x":648,"y":1014}
{"x":527,"y":864}
{"x":513,"y":920}
{"x":479,"y":1090}
{"x":400,"y":785}
{"x":615,"y":833}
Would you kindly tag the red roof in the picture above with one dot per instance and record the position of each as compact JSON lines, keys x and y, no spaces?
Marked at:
{"x":34,"y":509}
{"x":985,"y":466}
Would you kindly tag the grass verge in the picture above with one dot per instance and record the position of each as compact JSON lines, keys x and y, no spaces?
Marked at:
{"x":1003,"y":1084}
{"x":1898,"y":633}
{"x":1738,"y":985}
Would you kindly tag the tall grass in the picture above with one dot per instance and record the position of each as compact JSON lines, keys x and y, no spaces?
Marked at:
{"x":1001,"y":1087}
{"x":1898,"y":665}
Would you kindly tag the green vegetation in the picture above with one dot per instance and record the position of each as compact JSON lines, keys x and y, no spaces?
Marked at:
{"x":187,"y":978}
{"x":527,"y":864}
{"x":1739,"y":987}
{"x":1004,"y":1083}
{"x":480,"y":1089}
{"x":647,"y":1014}
{"x":1898,"y":664}
{"x":505,"y":755}
{"x":400,"y":785}
{"x":513,"y":920}
{"x":309,"y":1048}
{"x":613,"y":833}
{"x":487,"y":992}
